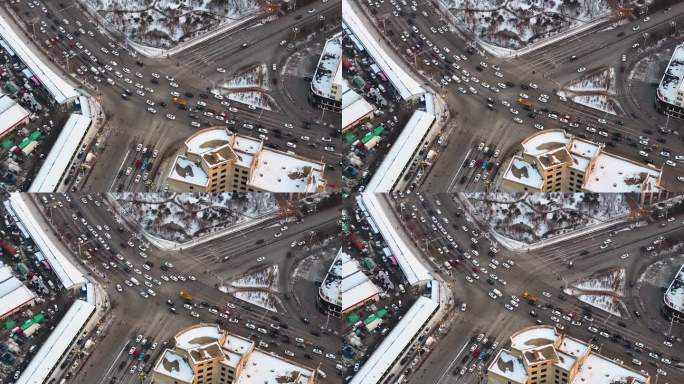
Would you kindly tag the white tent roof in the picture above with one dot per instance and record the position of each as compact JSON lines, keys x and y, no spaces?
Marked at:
{"x":62,"y":336}
{"x":68,"y":274}
{"x":405,"y":84}
{"x":57,"y":161}
{"x":55,"y":85}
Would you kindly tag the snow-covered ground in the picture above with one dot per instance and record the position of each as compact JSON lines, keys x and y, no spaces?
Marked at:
{"x":265,"y":278}
{"x":595,"y":90}
{"x":256,"y":98}
{"x":604,"y":302}
{"x":183,"y":217}
{"x":255,"y":77}
{"x":602,"y":290}
{"x":165,"y":23}
{"x":601,"y":81}
{"x":515,"y":24}
{"x":528,"y":218}
{"x":611,"y":282}
{"x":259,"y":298}
{"x":599,"y":102}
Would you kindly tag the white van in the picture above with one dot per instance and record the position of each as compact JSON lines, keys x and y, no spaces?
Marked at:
{"x":497,"y":292}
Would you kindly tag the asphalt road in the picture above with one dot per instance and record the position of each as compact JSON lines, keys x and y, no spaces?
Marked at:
{"x":538,"y":271}
{"x":132,"y":314}
{"x":128,"y":123}
{"x":550,"y":68}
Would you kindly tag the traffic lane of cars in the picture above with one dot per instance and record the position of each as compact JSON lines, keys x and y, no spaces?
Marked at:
{"x":211,"y":309}
{"x":510,"y":306}
{"x":138,"y":74}
{"x":141,"y":248}
{"x":481,"y":68}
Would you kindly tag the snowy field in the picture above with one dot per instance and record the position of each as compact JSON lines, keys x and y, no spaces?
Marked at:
{"x":595,"y":90}
{"x":259,"y":298}
{"x":607,"y":303}
{"x":165,"y":23}
{"x":600,"y":81}
{"x":256,"y":98}
{"x":255,"y":77}
{"x":611,"y":281}
{"x":528,"y":218}
{"x":182,"y":217}
{"x":257,"y":288}
{"x":599,"y":102}
{"x":515,"y":24}
{"x":265,"y":278}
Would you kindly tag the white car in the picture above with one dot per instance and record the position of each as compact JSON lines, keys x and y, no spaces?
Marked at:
{"x":149,"y":102}
{"x":170,"y":116}
{"x":581,"y":69}
{"x":539,"y":126}
{"x":518,"y":120}
{"x":291,"y":145}
{"x":635,"y":28}
{"x":151,"y":110}
{"x":173,"y":85}
{"x":534,"y":86}
{"x":220,"y":70}
{"x":195,"y":124}
{"x":260,"y":259}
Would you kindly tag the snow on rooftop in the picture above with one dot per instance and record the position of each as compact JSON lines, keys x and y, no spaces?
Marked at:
{"x":572,"y":346}
{"x":13,"y":293}
{"x":673,"y":77}
{"x":277,"y":171}
{"x":246,"y":144}
{"x":345,"y":284}
{"x":188,"y":172}
{"x":60,"y":90}
{"x":207,"y":140}
{"x":328,"y":69}
{"x":244,"y":159}
{"x":565,"y":360}
{"x":509,"y":366}
{"x":392,"y":166}
{"x":584,"y":148}
{"x":197,"y":336}
{"x":533,"y":337}
{"x":237,"y":344}
{"x":262,"y":367}
{"x":522,"y":172}
{"x":611,"y":173}
{"x":173,"y":365}
{"x":410,"y":264}
{"x":395,"y":342}
{"x":580,"y":163}
{"x":597,"y":369}
{"x":545,"y":141}
{"x":57,"y":161}
{"x":52,"y":350}
{"x":11,"y":113}
{"x":67,"y":272}
{"x":674,"y":296}
{"x":406,"y":85}
{"x":354,"y":107}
